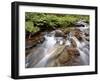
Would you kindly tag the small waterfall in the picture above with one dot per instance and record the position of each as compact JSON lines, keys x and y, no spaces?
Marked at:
{"x":84,"y":58}
{"x":49,"y":42}
{"x":68,"y":43}
{"x":45,"y":50}
{"x":84,"y":52}
{"x":44,"y":61}
{"x":48,"y":45}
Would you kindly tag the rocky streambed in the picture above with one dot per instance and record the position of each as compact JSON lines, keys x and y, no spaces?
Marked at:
{"x":68,"y":47}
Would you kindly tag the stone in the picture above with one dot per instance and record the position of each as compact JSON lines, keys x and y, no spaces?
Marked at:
{"x":73,"y":43}
{"x":67,"y":55}
{"x":59,"y":33}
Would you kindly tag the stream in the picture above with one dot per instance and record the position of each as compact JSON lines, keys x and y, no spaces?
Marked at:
{"x":43,"y":54}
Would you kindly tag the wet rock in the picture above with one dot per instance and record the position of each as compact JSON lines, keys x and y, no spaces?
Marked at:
{"x":78,"y":35}
{"x":67,"y":32}
{"x":86,"y":34}
{"x":67,"y":55}
{"x":87,"y":38}
{"x":37,"y":38}
{"x":73,"y":51}
{"x":32,"y":43}
{"x":73,"y":43}
{"x":59,"y":33}
{"x":63,"y":58}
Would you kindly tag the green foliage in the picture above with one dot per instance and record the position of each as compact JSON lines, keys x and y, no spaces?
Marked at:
{"x":36,"y":21}
{"x":29,"y":26}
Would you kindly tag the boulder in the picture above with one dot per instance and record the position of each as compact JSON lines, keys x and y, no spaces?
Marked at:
{"x":67,"y":55}
{"x":59,"y":33}
{"x":63,"y":58}
{"x":73,"y":51}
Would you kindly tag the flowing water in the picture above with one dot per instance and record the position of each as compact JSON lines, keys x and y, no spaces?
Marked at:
{"x":84,"y":51}
{"x":42,"y":53}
